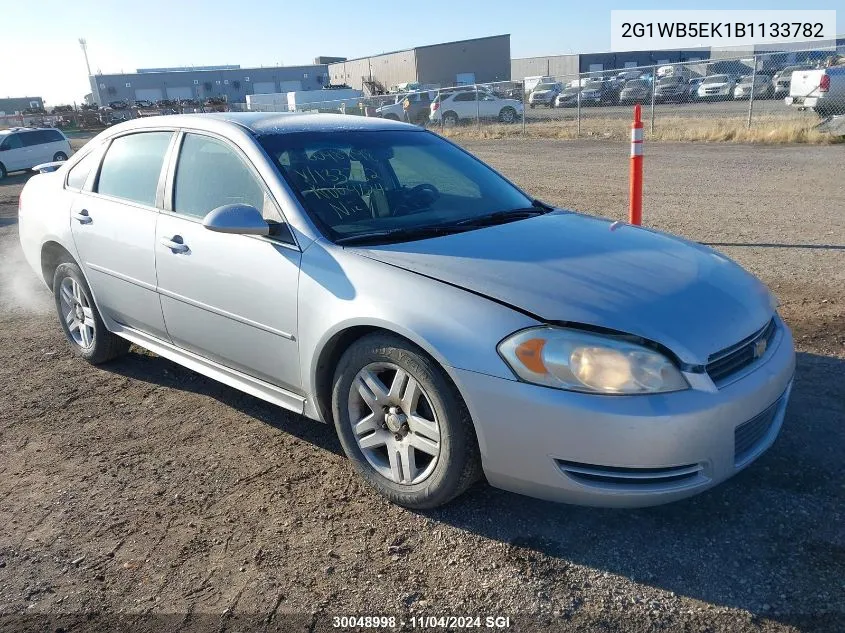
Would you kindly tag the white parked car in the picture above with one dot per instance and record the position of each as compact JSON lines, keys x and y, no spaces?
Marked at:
{"x":24,"y":148}
{"x":717,"y":87}
{"x":452,"y":107}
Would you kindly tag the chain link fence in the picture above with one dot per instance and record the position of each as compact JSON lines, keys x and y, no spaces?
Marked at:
{"x":781,"y":96}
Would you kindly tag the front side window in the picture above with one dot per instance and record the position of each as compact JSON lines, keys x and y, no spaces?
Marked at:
{"x":210,"y":174}
{"x":354,"y":183}
{"x":132,"y":166}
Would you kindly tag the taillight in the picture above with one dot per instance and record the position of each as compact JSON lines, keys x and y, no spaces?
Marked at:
{"x":824,"y":83}
{"x":435,"y":105}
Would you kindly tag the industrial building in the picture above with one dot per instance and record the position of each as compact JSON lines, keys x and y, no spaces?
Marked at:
{"x":561,"y":65}
{"x":230,"y":82}
{"x":13,"y":105}
{"x":481,"y":60}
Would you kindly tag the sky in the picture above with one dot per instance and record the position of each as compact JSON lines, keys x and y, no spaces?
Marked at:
{"x":42,"y":57}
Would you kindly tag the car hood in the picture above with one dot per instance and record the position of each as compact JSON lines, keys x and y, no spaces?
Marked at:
{"x":567,"y":267}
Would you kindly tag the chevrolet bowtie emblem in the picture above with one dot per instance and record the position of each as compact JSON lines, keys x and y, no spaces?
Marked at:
{"x":760,"y":348}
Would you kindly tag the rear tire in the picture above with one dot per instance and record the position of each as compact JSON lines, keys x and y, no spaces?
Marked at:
{"x":393,"y":401}
{"x":450,"y":119}
{"x":80,"y":319}
{"x":507,"y":115}
{"x":3,"y":172}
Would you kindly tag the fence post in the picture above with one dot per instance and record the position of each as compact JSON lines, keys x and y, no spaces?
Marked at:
{"x":751,"y":97}
{"x":578,"y":106}
{"x":477,"y":110}
{"x":523,"y":107}
{"x":440,"y":107}
{"x":635,"y":203}
{"x":653,"y":86}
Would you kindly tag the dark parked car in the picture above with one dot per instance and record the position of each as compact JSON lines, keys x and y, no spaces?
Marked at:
{"x":636,"y":91}
{"x":568,"y":98}
{"x":671,"y":89}
{"x":599,"y":92}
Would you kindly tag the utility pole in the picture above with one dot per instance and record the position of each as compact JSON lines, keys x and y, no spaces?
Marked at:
{"x":84,"y":45}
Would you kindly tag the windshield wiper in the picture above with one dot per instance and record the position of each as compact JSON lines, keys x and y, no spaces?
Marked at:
{"x":400,"y":235}
{"x":502,"y":217}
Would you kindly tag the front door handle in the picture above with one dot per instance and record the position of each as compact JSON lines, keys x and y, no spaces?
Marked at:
{"x":175,"y":244}
{"x":82,"y":217}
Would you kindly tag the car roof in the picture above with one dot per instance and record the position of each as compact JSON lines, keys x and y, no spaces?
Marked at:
{"x":25,"y":129}
{"x":260,"y":123}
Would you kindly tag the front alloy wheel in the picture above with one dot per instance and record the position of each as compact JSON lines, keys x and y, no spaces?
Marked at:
{"x":394,"y":423}
{"x":402,"y":422}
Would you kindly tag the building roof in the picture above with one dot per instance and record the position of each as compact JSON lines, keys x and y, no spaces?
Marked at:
{"x":205,"y":69}
{"x":413,"y":48}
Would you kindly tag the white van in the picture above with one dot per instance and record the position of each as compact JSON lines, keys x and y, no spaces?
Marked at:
{"x":24,"y":148}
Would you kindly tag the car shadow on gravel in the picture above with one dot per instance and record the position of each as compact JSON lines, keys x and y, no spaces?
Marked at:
{"x":770,"y":540}
{"x":160,"y":371}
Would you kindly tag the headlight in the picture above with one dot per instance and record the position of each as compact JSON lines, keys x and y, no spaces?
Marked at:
{"x":580,"y":361}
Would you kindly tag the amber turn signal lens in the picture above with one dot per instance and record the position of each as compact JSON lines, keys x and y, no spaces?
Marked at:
{"x":530,"y":354}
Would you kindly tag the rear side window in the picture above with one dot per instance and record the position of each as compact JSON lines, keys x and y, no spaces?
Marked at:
{"x":209,"y":175}
{"x":132,"y":167}
{"x":78,"y":175}
{"x":32,"y":138}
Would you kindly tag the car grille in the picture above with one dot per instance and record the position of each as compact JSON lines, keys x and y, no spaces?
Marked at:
{"x":727,"y":362}
{"x":748,"y":435}
{"x":591,"y":474}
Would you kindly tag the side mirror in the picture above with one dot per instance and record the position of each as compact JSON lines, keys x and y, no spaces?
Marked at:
{"x":242,"y":219}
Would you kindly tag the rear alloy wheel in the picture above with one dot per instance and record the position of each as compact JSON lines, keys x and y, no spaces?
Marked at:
{"x":507,"y":115}
{"x":81,"y":321}
{"x":3,"y":172}
{"x":59,"y":156}
{"x":402,"y":423}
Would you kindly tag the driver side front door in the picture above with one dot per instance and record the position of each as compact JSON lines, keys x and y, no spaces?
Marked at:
{"x":226,"y":297}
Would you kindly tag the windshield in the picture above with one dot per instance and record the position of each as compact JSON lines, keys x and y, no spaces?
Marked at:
{"x":670,"y":81}
{"x":716,"y":79}
{"x":545,"y":87}
{"x":637,"y":83}
{"x":356,"y":183}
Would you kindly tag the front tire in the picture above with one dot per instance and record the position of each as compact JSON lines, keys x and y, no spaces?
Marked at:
{"x":59,"y":156}
{"x":403,"y":424}
{"x":80,"y":319}
{"x":3,"y":172}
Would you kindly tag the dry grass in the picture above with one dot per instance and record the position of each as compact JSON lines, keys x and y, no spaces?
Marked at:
{"x":769,"y":130}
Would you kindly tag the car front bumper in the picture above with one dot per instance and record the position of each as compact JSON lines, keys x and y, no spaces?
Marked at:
{"x":627,"y":451}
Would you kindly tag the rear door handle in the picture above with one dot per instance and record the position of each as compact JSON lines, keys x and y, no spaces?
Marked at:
{"x":82,"y":217}
{"x":174,"y":244}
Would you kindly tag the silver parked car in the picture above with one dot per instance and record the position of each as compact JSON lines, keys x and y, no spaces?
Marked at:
{"x":373,"y":275}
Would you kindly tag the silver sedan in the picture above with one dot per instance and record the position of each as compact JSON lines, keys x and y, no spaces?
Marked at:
{"x":372,"y":275}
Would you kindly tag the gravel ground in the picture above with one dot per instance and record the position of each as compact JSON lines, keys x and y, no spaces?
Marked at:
{"x":152,"y":497}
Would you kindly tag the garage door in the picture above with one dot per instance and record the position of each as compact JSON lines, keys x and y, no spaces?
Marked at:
{"x":148,"y":94}
{"x":263,"y":87}
{"x":290,"y":86}
{"x":179,"y":92}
